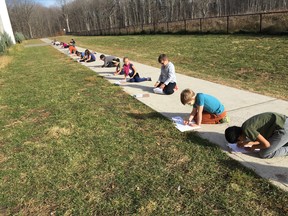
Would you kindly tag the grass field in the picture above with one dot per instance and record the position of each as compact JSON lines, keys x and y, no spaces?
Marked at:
{"x":254,"y":63}
{"x":70,"y":146}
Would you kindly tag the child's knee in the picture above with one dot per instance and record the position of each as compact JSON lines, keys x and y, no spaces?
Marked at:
{"x":169,"y":92}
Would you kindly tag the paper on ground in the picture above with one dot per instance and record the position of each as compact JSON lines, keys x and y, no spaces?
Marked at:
{"x":179,"y":124}
{"x":117,"y":83}
{"x":235,"y":148}
{"x":141,"y":95}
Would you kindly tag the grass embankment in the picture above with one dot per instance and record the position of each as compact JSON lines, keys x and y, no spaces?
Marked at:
{"x":73,"y":144}
{"x":253,"y":63}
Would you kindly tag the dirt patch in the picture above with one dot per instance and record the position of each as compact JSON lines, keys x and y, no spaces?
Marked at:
{"x":243,"y":71}
{"x":5,"y":61}
{"x":56,"y":132}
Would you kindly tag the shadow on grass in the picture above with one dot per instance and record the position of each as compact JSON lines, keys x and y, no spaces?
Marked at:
{"x":151,"y":115}
{"x":278,"y":174}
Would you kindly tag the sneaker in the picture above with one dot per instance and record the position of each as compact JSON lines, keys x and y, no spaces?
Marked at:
{"x":158,"y":91}
{"x":226,"y":119}
{"x":149,"y":79}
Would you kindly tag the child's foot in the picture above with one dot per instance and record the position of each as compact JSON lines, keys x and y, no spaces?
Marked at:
{"x":226,"y":119}
{"x":176,"y":88}
{"x":149,"y":79}
{"x":158,"y":91}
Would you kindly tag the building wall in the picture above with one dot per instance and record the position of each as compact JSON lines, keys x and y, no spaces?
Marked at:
{"x":5,"y":24}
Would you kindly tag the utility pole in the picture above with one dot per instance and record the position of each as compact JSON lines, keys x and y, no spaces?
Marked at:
{"x":5,"y":24}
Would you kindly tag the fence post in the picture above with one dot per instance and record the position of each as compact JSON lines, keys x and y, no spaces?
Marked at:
{"x":167,"y":26}
{"x":201,"y":25}
{"x":227,"y":30}
{"x":260,"y":27}
{"x":185,"y":26}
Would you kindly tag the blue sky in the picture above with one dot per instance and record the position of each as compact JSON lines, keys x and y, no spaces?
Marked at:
{"x":47,"y":3}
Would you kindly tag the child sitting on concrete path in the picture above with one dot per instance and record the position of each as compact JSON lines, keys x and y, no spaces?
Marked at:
{"x":108,"y":60}
{"x":266,"y":131}
{"x":89,"y":57}
{"x":118,"y":64}
{"x":206,"y":108}
{"x":166,"y":83}
{"x":130,"y":70}
{"x":80,"y":54}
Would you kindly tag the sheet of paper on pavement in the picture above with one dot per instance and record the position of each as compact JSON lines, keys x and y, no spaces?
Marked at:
{"x":234,"y":148}
{"x":179,"y":124}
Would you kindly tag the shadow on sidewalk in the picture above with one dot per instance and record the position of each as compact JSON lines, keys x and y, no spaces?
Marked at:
{"x":143,"y":88}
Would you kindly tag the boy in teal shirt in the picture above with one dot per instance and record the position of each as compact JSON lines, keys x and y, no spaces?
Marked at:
{"x":206,"y":108}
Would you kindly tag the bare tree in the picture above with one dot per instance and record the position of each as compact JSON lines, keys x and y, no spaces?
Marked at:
{"x":65,"y":11}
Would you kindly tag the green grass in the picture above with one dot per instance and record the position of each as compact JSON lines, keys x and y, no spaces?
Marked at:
{"x":70,"y":146}
{"x":253,"y":63}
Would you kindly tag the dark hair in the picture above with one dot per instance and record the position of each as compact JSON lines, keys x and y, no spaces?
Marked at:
{"x":87,"y":52}
{"x":233,"y":133}
{"x":162,"y":57}
{"x":125,"y":58}
{"x":102,"y":56}
{"x":116,"y":59}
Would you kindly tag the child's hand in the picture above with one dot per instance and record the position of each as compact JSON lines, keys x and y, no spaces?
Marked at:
{"x":156,"y":84}
{"x":185,"y":122}
{"x":162,"y":86}
{"x":241,"y":144}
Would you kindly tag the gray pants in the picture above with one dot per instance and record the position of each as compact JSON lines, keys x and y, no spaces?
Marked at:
{"x":278,"y":143}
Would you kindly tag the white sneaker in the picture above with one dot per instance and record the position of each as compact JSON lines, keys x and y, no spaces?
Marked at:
{"x":158,"y":91}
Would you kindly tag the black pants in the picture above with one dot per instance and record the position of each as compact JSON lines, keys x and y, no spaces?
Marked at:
{"x":110,"y":64}
{"x":169,"y":89}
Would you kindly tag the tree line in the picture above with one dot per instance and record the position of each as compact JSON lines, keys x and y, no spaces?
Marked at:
{"x":35,"y":20}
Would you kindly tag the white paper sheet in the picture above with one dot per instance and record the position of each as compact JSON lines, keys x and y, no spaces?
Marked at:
{"x":234,"y":148}
{"x":179,"y":124}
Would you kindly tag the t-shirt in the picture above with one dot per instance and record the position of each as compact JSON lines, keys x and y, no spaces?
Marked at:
{"x":128,"y":70}
{"x":264,"y":124}
{"x":93,"y":58}
{"x":211,"y":104}
{"x":82,"y":54}
{"x":108,"y":59}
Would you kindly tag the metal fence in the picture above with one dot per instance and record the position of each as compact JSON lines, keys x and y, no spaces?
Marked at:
{"x":266,"y":22}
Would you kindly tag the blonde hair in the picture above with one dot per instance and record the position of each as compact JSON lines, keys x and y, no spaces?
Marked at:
{"x":187,"y":96}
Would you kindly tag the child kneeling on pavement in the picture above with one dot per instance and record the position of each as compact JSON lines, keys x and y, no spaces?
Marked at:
{"x":206,"y":108}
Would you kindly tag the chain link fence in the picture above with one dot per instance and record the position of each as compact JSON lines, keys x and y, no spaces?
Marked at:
{"x":263,"y":23}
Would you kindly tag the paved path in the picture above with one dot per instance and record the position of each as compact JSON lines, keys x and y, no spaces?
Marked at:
{"x":239,"y":104}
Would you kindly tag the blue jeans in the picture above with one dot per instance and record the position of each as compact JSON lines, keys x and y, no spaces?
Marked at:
{"x":278,"y":143}
{"x":137,"y":79}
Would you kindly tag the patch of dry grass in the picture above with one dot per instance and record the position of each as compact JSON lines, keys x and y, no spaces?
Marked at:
{"x":5,"y":61}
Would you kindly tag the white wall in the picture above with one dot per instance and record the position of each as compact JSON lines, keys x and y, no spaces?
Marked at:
{"x":5,"y":24}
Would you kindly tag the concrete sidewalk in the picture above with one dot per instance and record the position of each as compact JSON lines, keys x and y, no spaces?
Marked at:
{"x":239,"y":104}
